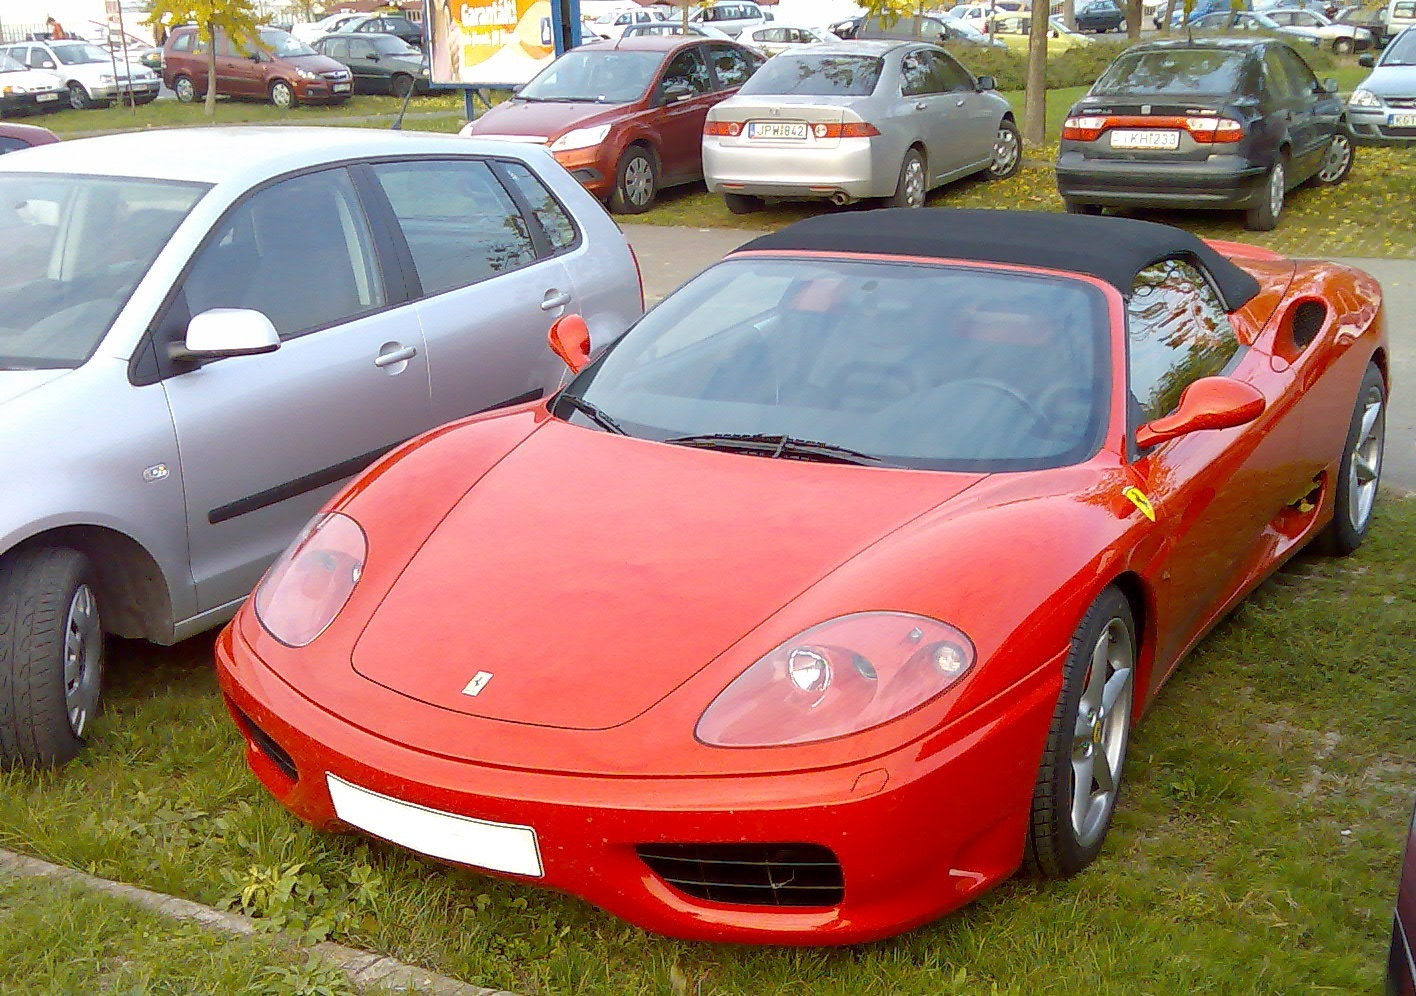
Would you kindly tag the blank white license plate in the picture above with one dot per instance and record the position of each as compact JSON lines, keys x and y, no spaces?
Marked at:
{"x":1130,"y":138}
{"x":776,"y":129}
{"x":1402,"y":121}
{"x":43,"y":97}
{"x":341,"y":87}
{"x":502,"y":847}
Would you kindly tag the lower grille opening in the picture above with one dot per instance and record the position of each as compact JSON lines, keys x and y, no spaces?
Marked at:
{"x":1308,"y":319}
{"x":266,"y":744}
{"x":749,"y":874}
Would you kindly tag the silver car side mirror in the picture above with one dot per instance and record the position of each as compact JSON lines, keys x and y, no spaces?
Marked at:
{"x":223,"y":332}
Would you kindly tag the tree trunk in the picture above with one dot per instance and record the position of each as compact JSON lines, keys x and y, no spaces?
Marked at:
{"x":1035,"y":96}
{"x":1069,"y":13}
{"x":211,"y":71}
{"x":1169,"y":13}
{"x":685,"y":15}
{"x":1133,"y":19}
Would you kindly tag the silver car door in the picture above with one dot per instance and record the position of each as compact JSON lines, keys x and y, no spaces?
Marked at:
{"x":922,"y":82}
{"x":974,"y":116}
{"x":490,"y":287}
{"x":266,"y":439}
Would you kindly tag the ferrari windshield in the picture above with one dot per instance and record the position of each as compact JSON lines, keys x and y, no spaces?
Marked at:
{"x":72,"y":248}
{"x":885,"y":363}
{"x":604,"y":76}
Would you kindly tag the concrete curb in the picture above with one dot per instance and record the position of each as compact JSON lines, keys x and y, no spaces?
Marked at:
{"x":362,"y":967}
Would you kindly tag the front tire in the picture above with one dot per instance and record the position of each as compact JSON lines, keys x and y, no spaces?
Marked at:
{"x":79,"y":98}
{"x":1337,"y":161}
{"x":1007,"y":152}
{"x":1263,"y":215}
{"x":912,"y":184}
{"x":1355,"y":493}
{"x":1342,"y":46}
{"x":1080,"y":774}
{"x":185,"y":89}
{"x":51,"y":656}
{"x":636,"y":182}
{"x":401,"y":85}
{"x":282,"y":95}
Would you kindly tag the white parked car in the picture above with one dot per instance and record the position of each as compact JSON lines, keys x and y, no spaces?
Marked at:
{"x":1340,"y":38}
{"x":28,"y":91}
{"x":775,"y":38}
{"x":314,"y":30}
{"x":612,"y":25}
{"x":88,"y":72}
{"x":732,"y":17}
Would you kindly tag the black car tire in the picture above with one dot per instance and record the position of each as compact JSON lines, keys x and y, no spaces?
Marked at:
{"x":38,"y":591}
{"x":400,"y":85}
{"x":79,"y":98}
{"x":742,"y":203}
{"x":1055,"y":847}
{"x":1337,"y":160}
{"x":1264,"y":214}
{"x":185,"y":89}
{"x":1078,"y":207}
{"x":913,"y":166}
{"x":1341,"y":46}
{"x":1349,"y":525}
{"x":636,"y":168}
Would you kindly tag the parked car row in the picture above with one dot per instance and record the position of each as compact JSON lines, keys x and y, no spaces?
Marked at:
{"x":39,"y":76}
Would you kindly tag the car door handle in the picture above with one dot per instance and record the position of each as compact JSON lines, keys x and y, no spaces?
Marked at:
{"x":395,"y":355}
{"x":922,"y":105}
{"x":961,"y":102}
{"x":555,"y":299}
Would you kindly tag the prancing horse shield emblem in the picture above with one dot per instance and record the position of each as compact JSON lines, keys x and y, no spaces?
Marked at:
{"x":478,"y":682}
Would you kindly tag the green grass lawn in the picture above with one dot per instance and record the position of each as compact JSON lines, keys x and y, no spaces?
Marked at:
{"x":57,"y":940}
{"x":1254,"y":852}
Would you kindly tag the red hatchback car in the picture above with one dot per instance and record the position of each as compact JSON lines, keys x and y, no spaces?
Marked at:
{"x":625,"y":118}
{"x":900,"y":520}
{"x":278,"y":67}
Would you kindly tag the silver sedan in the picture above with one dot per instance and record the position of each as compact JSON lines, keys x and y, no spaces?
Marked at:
{"x":852,"y":120}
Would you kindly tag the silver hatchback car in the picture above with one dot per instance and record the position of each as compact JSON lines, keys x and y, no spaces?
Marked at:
{"x":203,"y":333}
{"x":857,"y":119}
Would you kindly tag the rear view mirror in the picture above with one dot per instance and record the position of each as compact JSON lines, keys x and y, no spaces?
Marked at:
{"x":1208,"y":403}
{"x":1366,"y":60}
{"x":223,"y":332}
{"x":570,"y":340}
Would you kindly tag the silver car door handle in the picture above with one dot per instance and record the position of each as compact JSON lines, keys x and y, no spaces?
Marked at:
{"x":397,"y":356}
{"x":555,"y":299}
{"x":922,"y":106}
{"x":961,"y":102}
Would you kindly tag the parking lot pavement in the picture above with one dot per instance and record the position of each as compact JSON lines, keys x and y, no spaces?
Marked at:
{"x":669,"y":256}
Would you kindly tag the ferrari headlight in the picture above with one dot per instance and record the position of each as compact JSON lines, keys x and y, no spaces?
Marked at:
{"x":1364,"y":98}
{"x":581,"y":138}
{"x":307,"y":587}
{"x":840,"y":677}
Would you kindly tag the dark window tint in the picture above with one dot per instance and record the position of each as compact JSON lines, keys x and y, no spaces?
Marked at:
{"x":730,"y":65}
{"x":953,"y":76}
{"x":183,"y":42}
{"x":460,"y":224}
{"x":1202,"y":71}
{"x":1300,"y":77}
{"x":816,"y":76}
{"x":1177,"y":332}
{"x":559,"y":229}
{"x":360,"y":48}
{"x":1401,"y":52}
{"x":335,"y":48}
{"x":687,"y":70}
{"x":299,"y":252}
{"x":917,"y":78}
{"x":11,"y":144}
{"x":1279,"y":76}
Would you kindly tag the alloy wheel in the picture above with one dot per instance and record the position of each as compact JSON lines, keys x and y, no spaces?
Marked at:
{"x":83,"y":649}
{"x":914,"y":184}
{"x":78,"y":97}
{"x":1366,"y":468}
{"x":639,"y":181}
{"x":186,"y":92}
{"x":1005,"y":152}
{"x":1339,"y":158}
{"x":281,"y":96}
{"x":1103,"y":724}
{"x":1277,"y":188}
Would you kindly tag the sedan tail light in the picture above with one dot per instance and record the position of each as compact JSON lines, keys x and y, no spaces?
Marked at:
{"x":851,"y":129}
{"x":1210,"y":131}
{"x":1083,"y":129}
{"x":730,"y":129}
{"x":1204,"y":130}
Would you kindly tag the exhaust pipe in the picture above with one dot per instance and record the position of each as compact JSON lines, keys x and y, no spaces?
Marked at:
{"x":840,"y":198}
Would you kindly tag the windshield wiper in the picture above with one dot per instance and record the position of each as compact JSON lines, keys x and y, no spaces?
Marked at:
{"x":592,"y":413}
{"x":776,"y":446}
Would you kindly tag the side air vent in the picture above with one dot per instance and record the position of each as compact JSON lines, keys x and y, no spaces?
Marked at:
{"x":1308,"y":319}
{"x":749,"y":874}
{"x":266,"y":744}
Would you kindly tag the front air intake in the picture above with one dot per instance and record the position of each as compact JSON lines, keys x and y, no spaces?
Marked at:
{"x":749,"y":874}
{"x":1308,"y":319}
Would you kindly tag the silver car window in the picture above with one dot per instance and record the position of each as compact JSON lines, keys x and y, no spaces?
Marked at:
{"x":918,"y":77}
{"x":298,"y":251}
{"x":72,"y":249}
{"x":554,"y":220}
{"x":461,"y":225}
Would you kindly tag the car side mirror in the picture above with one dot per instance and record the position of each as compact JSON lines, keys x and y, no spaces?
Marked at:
{"x":1208,"y":403}
{"x":570,"y":340}
{"x":677,"y":93}
{"x":46,"y":64}
{"x":987,"y":83}
{"x":1367,"y":61}
{"x":223,"y":332}
{"x":1329,"y":86}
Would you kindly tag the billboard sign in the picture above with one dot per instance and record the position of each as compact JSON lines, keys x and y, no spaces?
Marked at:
{"x":489,"y":43}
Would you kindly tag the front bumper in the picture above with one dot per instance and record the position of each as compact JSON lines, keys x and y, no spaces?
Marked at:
{"x":323,"y":91}
{"x":1372,"y":126}
{"x":112,"y":91}
{"x":917,"y":833}
{"x":852,"y":166}
{"x":1217,"y":182}
{"x":593,"y":167}
{"x":33,"y":103}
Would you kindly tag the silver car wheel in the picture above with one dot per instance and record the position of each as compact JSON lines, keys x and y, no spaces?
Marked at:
{"x":1339,"y":158}
{"x":83,"y":659}
{"x":914,"y":184}
{"x":1278,"y":186}
{"x":1100,"y":733}
{"x":639,"y":181}
{"x":1366,"y":468}
{"x":281,"y":95}
{"x":1005,"y":152}
{"x":186,"y":92}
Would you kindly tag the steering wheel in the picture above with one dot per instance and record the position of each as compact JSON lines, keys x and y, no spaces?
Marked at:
{"x":1011,"y":392}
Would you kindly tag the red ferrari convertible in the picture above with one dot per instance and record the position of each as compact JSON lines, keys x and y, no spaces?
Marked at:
{"x":824,"y":598}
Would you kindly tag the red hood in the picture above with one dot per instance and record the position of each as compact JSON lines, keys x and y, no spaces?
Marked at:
{"x":551,"y":119}
{"x":591,"y":574}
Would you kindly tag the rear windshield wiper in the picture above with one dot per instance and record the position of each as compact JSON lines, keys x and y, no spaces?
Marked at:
{"x":776,"y":446}
{"x":592,"y":413}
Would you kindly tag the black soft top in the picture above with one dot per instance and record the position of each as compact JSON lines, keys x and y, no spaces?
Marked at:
{"x":1111,"y":249}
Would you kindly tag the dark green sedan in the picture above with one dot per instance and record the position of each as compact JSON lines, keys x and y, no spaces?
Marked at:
{"x":380,"y":63}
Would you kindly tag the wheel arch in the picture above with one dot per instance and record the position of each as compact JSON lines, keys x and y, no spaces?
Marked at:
{"x":133,"y":592}
{"x":1141,"y":600}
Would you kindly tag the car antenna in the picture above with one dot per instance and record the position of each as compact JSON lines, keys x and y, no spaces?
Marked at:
{"x":413,"y":85}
